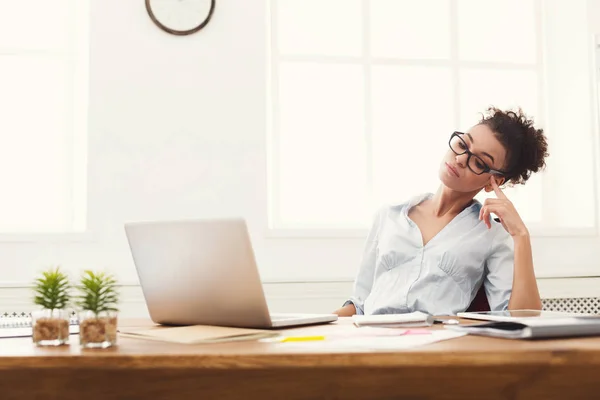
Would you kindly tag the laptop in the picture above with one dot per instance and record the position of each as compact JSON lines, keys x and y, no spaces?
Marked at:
{"x":203,"y":272}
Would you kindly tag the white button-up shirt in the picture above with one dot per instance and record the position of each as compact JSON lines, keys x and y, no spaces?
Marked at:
{"x":400,"y":275}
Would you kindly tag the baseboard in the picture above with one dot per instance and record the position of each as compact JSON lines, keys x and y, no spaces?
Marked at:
{"x":307,"y":297}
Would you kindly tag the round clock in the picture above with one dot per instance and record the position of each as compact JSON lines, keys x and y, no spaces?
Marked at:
{"x":180,"y":17}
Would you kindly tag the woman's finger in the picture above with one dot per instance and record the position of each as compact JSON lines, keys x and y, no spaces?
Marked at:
{"x":499,"y":193}
{"x":485,"y":217}
{"x":486,"y":211}
{"x":494,"y":201}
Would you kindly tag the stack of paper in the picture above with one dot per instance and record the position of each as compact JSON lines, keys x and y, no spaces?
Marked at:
{"x":416,"y":318}
{"x":196,"y":334}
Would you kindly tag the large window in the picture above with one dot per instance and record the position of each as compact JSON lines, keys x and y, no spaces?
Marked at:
{"x":43,"y":115}
{"x":365,"y":94}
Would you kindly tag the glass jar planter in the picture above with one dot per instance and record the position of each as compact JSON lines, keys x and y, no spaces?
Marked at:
{"x":98,"y":330}
{"x":50,"y":327}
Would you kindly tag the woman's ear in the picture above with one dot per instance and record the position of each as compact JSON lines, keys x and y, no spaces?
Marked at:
{"x":499,"y":181}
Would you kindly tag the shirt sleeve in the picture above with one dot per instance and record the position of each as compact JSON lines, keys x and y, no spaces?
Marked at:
{"x":366,"y":271}
{"x":499,"y":271}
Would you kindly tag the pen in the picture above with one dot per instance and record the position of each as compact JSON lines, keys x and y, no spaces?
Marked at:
{"x":301,"y":338}
{"x":450,"y":321}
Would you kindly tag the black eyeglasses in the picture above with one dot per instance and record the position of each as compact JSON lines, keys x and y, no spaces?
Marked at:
{"x":475,"y":163}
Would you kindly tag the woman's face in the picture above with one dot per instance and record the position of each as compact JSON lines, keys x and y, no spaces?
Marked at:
{"x":481,"y":141}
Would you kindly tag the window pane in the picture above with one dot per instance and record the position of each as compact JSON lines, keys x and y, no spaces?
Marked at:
{"x":320,"y":27}
{"x":411,"y":128}
{"x":572,"y":121}
{"x":501,"y":31}
{"x":321,"y":145}
{"x":34,"y":24}
{"x":527,"y":198}
{"x":34,"y":130}
{"x":410,"y":29}
{"x":481,"y":88}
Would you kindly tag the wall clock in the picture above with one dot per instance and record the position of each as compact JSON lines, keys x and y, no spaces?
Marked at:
{"x":180,"y":17}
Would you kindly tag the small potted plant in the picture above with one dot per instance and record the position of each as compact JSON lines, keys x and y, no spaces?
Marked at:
{"x":50,"y":325}
{"x":98,"y":316}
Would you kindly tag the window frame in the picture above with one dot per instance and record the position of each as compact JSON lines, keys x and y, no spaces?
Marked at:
{"x":277,"y":229}
{"x":76,"y":57}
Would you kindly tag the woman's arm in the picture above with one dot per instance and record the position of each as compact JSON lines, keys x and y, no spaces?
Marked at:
{"x":525,"y":293}
{"x":347,"y":311}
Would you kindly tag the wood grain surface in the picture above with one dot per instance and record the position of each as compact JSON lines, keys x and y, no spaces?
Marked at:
{"x":466,"y":367}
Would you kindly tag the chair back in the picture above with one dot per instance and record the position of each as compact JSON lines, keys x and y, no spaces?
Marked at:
{"x":480,"y":302}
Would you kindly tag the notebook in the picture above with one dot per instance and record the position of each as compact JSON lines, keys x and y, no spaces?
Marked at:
{"x":535,"y":328}
{"x":12,"y":327}
{"x":516,"y":315}
{"x":416,"y":318}
{"x":196,"y":334}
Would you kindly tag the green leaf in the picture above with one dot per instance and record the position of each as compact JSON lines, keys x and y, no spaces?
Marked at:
{"x":98,"y":292}
{"x":51,"y":289}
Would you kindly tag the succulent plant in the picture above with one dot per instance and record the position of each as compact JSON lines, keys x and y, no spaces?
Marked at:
{"x":52,"y":289}
{"x":98,"y":292}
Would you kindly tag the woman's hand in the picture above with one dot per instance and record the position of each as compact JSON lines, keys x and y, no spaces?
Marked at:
{"x":505,"y":210}
{"x":346,"y":311}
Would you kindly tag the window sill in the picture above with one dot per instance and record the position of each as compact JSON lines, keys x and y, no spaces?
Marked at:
{"x":295,"y":233}
{"x":47,"y":237}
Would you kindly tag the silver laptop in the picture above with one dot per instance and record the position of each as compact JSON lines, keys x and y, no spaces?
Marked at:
{"x":204,"y":272}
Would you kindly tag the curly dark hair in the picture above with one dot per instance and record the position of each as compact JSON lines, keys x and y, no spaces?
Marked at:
{"x":526,"y":147}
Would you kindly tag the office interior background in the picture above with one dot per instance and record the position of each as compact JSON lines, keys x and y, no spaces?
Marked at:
{"x":300,"y":116}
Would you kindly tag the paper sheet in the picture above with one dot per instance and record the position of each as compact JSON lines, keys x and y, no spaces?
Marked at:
{"x":383,"y":319}
{"x":390,"y":342}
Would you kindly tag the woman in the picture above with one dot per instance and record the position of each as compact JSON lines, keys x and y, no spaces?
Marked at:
{"x":433,"y":253}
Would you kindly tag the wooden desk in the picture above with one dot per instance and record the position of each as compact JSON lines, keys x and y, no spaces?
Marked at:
{"x":467,"y":367}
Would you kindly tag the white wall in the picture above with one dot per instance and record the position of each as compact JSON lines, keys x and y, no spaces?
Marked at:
{"x":594,"y":21}
{"x":177,"y":123}
{"x":177,"y":129}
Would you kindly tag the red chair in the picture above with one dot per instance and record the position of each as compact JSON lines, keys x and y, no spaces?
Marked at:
{"x":480,"y":302}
